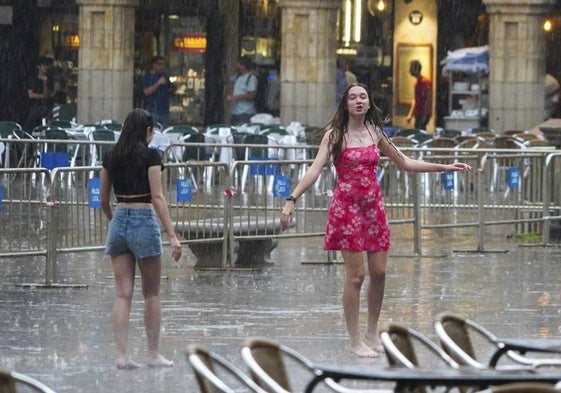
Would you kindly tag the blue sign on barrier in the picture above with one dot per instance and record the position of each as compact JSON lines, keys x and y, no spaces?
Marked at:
{"x":263,"y":169}
{"x":281,"y":186}
{"x":184,"y":190}
{"x":513,"y":177}
{"x":448,"y":180}
{"x":51,"y":160}
{"x":94,"y":187}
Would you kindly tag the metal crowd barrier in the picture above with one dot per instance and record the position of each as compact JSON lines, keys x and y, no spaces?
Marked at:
{"x":219,"y":206}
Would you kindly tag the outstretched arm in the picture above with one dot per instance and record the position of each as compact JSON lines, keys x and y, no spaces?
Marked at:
{"x":411,"y":165}
{"x":308,"y":179}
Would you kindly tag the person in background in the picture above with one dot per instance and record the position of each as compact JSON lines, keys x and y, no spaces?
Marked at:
{"x":421,"y":106}
{"x":245,"y":90}
{"x":343,"y":79}
{"x":357,"y":222}
{"x":157,"y":89}
{"x":551,"y":97}
{"x":133,"y":171}
{"x":39,"y":93}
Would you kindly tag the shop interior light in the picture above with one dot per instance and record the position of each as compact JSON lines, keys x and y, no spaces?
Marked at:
{"x":547,"y":25}
{"x":347,"y":27}
{"x":379,"y":7}
{"x":357,"y":20}
{"x":173,"y":16}
{"x":56,"y":28}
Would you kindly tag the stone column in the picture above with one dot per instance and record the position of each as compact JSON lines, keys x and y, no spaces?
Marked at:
{"x":308,"y":66}
{"x":516,"y":63}
{"x":105,"y":60}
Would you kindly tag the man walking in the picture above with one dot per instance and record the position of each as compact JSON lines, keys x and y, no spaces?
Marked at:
{"x":243,"y":96}
{"x":421,"y":107}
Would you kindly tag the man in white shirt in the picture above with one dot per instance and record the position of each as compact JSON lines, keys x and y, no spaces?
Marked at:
{"x":245,"y":90}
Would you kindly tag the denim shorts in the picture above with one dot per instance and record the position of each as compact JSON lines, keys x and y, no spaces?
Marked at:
{"x":134,"y":231}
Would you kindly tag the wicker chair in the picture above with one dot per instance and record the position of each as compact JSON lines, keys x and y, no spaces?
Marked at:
{"x":455,"y":334}
{"x":205,"y":365}
{"x":265,"y":359}
{"x":399,"y":343}
{"x":9,"y":382}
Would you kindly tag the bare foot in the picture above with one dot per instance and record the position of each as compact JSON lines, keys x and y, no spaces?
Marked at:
{"x":375,"y":343}
{"x":160,"y":361}
{"x":127,"y":365}
{"x":364,"y":351}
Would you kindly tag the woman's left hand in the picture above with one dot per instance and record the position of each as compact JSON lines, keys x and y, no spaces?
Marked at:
{"x":459,"y":166}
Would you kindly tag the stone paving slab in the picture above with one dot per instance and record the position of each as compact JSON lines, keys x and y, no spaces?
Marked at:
{"x":63,"y":336}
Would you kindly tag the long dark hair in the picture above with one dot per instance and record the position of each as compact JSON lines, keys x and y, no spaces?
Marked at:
{"x":340,"y":121}
{"x":132,"y":136}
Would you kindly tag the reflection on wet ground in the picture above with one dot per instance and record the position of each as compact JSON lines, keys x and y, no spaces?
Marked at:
{"x":63,"y":336}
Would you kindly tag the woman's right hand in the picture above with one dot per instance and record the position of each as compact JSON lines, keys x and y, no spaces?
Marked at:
{"x":287,"y":214}
{"x":175,"y":248}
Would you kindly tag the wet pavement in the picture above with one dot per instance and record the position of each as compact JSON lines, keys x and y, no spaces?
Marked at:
{"x":63,"y":336}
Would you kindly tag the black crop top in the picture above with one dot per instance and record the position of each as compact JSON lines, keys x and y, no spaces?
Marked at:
{"x":132,"y":179}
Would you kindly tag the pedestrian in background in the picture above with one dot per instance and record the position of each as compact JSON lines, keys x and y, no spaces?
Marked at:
{"x":157,"y":89}
{"x":39,"y":94}
{"x":245,"y":91}
{"x":421,"y":106}
{"x":133,"y":171}
{"x":357,"y":221}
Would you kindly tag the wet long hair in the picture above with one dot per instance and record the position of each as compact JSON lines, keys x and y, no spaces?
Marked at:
{"x":339,"y":123}
{"x":133,"y":135}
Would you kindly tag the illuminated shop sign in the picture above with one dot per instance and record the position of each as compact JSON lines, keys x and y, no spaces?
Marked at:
{"x":70,"y":40}
{"x":192,"y":43}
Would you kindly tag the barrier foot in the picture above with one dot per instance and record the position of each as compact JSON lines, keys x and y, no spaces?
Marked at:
{"x":49,"y":286}
{"x":480,"y":251}
{"x":418,"y":255}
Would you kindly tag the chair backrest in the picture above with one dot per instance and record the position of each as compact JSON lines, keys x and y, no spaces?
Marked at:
{"x":207,"y":366}
{"x":400,"y":341}
{"x":450,"y":133}
{"x":453,"y":333}
{"x":441,"y":142}
{"x":256,"y":139}
{"x":485,"y":135}
{"x":264,"y":358}
{"x":9,"y":382}
{"x":421,"y":137}
{"x":525,"y":387}
{"x":407,"y":131}
{"x":506,"y":142}
{"x":402,"y":141}
{"x":7,"y":128}
{"x":195,"y":153}
{"x":63,"y":124}
{"x":111,"y":125}
{"x":183,"y":129}
{"x":275,"y":132}
{"x":56,"y":133}
{"x":102,"y":135}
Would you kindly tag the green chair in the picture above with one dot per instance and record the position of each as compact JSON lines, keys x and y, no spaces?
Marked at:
{"x":7,"y":127}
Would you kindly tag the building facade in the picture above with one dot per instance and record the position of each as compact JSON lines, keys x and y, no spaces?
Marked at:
{"x":102,"y":47}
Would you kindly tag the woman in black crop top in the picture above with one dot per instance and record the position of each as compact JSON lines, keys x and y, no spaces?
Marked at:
{"x":133,"y":171}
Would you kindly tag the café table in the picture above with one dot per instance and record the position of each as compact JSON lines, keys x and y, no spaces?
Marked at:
{"x":425,"y":376}
{"x":524,"y":345}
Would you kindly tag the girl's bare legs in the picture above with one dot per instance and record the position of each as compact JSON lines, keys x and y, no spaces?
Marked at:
{"x":354,"y":265}
{"x":377,"y":262}
{"x":150,"y":269}
{"x":123,"y":269}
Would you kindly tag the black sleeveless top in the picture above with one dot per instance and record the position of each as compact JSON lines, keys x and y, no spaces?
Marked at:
{"x":132,"y":177}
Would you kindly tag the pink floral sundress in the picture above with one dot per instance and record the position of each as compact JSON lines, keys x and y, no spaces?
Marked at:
{"x":357,"y":218}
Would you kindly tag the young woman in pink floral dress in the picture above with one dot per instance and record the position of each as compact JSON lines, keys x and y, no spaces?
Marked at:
{"x":357,"y":219}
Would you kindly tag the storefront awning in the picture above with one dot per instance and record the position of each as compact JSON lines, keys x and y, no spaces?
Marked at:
{"x":474,"y":59}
